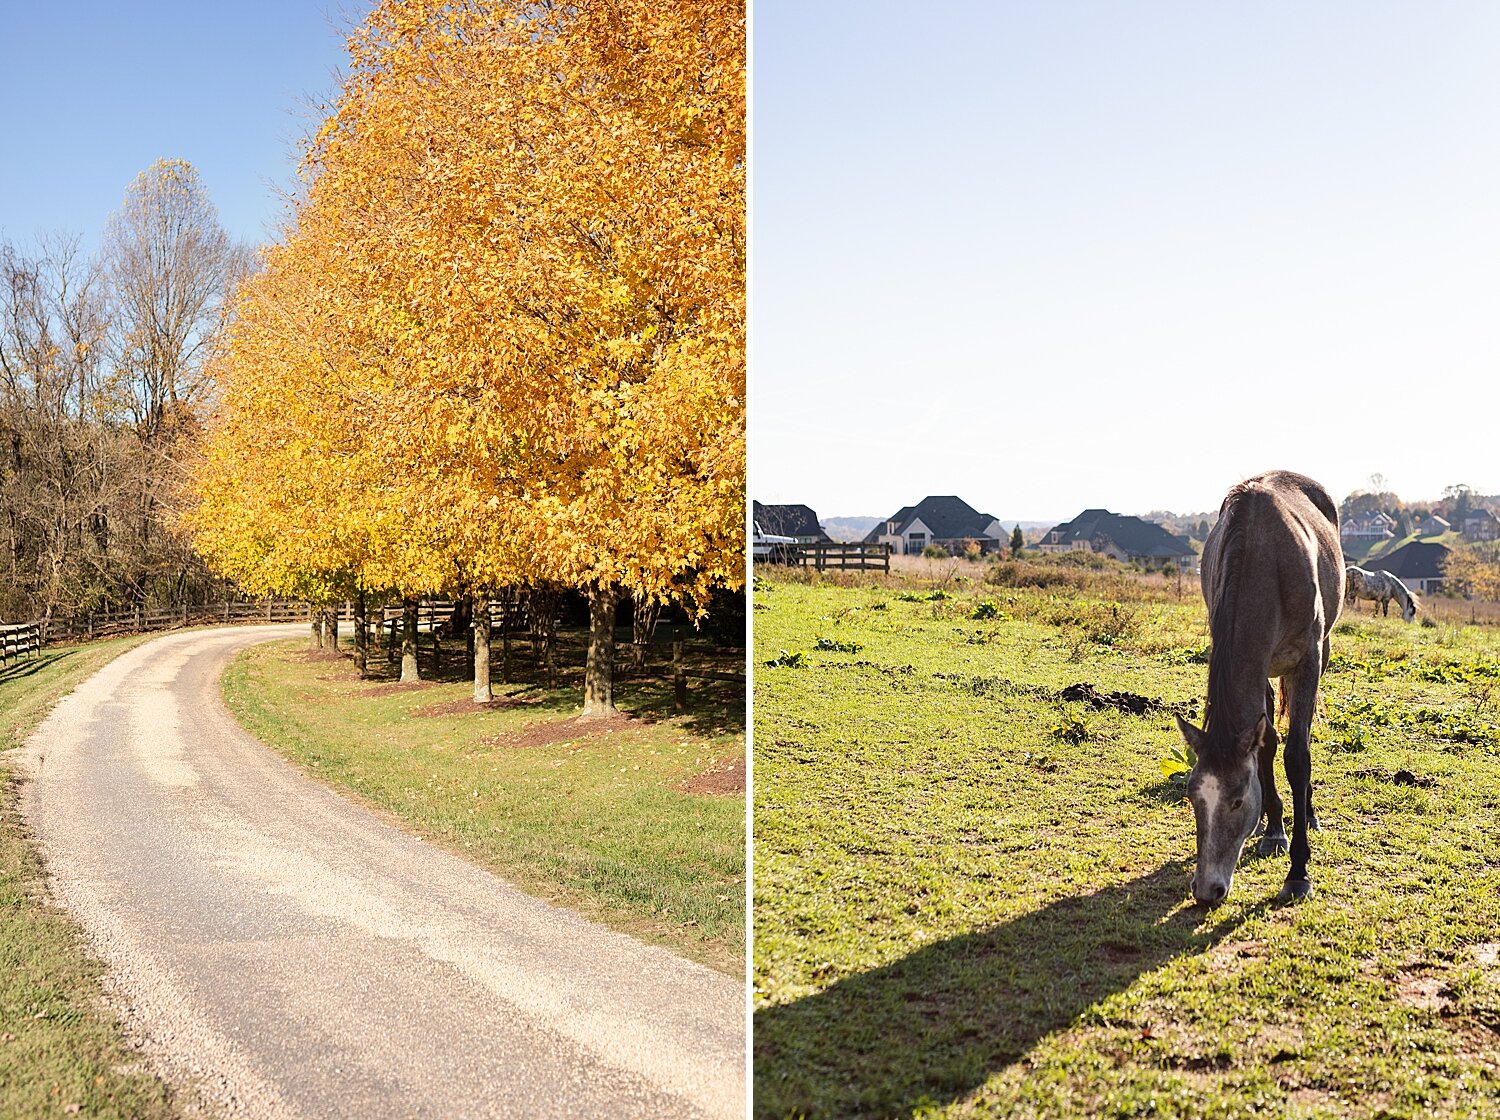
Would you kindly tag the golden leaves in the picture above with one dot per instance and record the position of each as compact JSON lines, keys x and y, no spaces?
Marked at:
{"x":522,"y":255}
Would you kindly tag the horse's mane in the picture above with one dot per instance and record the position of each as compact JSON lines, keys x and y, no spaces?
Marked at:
{"x":1232,"y":551}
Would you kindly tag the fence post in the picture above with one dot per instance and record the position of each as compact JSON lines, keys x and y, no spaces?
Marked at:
{"x":139,"y":625}
{"x":679,"y":677}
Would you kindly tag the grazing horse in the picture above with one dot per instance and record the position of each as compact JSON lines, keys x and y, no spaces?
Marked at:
{"x":1381,"y":587}
{"x":1273,"y":578}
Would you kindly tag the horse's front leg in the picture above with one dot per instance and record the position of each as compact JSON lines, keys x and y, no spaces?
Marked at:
{"x":1302,"y":699}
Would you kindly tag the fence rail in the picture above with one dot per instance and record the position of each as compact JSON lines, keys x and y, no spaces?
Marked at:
{"x":135,"y":620}
{"x":18,"y":640}
{"x":843,"y":555}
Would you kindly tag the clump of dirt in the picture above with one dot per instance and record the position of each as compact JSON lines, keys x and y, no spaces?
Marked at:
{"x":543,"y":733}
{"x":464,"y":707}
{"x":1399,"y":778}
{"x":725,"y":780}
{"x":1130,"y":702}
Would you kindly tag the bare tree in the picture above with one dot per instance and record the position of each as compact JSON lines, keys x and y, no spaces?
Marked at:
{"x":170,"y":267}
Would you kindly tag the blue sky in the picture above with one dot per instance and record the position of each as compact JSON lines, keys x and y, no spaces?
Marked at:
{"x":93,"y":93}
{"x":1049,"y":256}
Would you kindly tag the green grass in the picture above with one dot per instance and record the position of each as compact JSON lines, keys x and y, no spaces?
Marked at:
{"x":971,"y":897}
{"x":593,"y":823}
{"x":61,"y":1051}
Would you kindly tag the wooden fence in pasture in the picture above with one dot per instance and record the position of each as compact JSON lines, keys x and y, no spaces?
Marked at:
{"x":823,"y":555}
{"x":18,"y":640}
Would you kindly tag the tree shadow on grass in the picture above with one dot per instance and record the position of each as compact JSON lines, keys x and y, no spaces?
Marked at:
{"x":932,"y":1027}
{"x":713,"y":708}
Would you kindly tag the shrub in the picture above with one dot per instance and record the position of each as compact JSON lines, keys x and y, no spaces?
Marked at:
{"x":833,"y":645}
{"x":935,"y":552}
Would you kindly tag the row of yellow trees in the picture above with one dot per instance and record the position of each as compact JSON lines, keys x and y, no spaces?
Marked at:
{"x":503,"y":342}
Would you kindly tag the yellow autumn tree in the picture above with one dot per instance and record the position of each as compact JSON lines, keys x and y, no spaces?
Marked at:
{"x":533,"y":217}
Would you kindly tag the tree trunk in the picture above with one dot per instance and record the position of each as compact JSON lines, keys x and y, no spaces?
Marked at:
{"x":482,"y":693}
{"x":361,"y":634}
{"x":643,"y":626}
{"x":409,"y":641}
{"x":315,"y":619}
{"x":507,"y":611}
{"x":599,"y":669}
{"x":332,"y":614}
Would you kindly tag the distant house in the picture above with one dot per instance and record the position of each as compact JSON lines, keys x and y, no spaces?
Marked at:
{"x":798,"y":522}
{"x":1432,"y":526}
{"x":1418,"y":564}
{"x":1481,"y":525}
{"x":942,"y":520}
{"x":1123,"y":537}
{"x":1377,"y":526}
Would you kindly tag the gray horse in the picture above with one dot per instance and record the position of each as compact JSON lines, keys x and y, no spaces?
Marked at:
{"x":1380,"y":587}
{"x":1273,"y":578}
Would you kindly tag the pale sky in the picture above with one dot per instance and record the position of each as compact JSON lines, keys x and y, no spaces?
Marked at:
{"x":1053,"y":256}
{"x":92,"y":92}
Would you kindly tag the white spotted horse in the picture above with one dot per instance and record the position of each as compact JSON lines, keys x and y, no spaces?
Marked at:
{"x":1380,"y":587}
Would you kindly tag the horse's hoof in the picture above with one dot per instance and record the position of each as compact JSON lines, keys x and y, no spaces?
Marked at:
{"x":1312,"y":823}
{"x":1273,"y":846}
{"x":1295,"y":890}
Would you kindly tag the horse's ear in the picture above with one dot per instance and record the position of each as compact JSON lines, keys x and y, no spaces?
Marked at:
{"x":1193,"y":736}
{"x":1252,"y":740}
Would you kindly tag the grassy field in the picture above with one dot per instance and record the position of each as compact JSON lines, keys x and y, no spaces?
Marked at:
{"x":598,"y":822}
{"x":60,"y":1050}
{"x":971,"y":893}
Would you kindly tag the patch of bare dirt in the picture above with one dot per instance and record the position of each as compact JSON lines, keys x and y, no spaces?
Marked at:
{"x":320,"y":655}
{"x":1227,"y":956}
{"x":727,"y":779}
{"x":397,"y":687}
{"x":1422,"y":990}
{"x":464,"y":707}
{"x":568,"y":730}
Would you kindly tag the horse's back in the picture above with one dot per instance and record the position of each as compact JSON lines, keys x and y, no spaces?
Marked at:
{"x":1284,"y":523}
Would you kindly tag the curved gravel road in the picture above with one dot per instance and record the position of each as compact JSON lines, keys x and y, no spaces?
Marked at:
{"x":294,"y":956}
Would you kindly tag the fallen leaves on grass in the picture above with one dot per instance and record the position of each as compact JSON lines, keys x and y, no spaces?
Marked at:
{"x":726,"y":779}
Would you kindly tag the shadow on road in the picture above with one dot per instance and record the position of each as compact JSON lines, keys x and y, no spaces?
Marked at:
{"x":935,"y":1025}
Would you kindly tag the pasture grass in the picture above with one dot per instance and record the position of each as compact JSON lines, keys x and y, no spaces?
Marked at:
{"x":971,"y":896}
{"x":594,"y":822}
{"x":61,"y":1050}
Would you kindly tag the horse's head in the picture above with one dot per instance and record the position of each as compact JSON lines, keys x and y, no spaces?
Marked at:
{"x":1224,"y":788}
{"x":1409,"y":608}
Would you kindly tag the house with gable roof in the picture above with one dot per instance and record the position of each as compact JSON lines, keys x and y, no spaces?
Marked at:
{"x":796,"y":521}
{"x":1417,"y":564}
{"x":945,"y":520}
{"x":1480,"y":525}
{"x":1125,"y":538}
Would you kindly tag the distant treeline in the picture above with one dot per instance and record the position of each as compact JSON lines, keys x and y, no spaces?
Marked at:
{"x":103,"y":382}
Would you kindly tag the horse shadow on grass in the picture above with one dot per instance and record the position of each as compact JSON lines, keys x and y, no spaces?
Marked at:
{"x":930,"y":1028}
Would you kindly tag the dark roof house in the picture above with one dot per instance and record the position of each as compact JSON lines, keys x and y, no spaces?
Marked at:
{"x":944,"y":519}
{"x":1118,"y":535}
{"x":797,"y":521}
{"x":1418,"y":564}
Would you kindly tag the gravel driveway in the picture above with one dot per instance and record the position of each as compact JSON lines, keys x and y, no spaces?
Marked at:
{"x":292,"y":955}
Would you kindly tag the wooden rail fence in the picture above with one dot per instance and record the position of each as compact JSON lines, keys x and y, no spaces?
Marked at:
{"x":843,"y":555}
{"x":18,"y":640}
